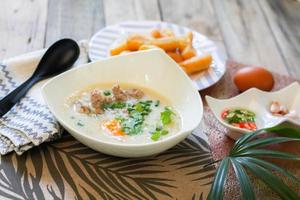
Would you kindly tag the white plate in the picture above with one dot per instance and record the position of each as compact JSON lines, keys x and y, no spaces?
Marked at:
{"x":110,"y":35}
{"x":152,"y":69}
{"x":259,"y":102}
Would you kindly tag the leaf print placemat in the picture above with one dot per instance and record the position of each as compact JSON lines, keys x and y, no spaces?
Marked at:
{"x":66,"y":169}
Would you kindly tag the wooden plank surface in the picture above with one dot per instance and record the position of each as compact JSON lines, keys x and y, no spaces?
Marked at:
{"x":121,"y":10}
{"x":195,"y":14}
{"x":22,"y":26}
{"x":247,"y":36}
{"x":256,"y":32}
{"x":75,"y":19}
{"x":284,"y":21}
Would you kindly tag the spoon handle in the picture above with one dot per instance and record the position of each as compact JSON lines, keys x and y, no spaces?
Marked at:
{"x":14,"y":96}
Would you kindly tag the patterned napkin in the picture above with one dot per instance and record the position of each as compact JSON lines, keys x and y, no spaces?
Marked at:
{"x":29,"y":123}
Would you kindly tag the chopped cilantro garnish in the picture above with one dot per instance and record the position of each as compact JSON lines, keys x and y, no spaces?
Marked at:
{"x":134,"y":123}
{"x":155,"y":135}
{"x":240,"y":115}
{"x":158,"y":128}
{"x":107,"y":93}
{"x":114,"y":105}
{"x":139,"y":107}
{"x":158,"y":133}
{"x":157,"y":103}
{"x":164,"y":132}
{"x":166,"y":116}
{"x":80,"y":124}
{"x":144,"y":107}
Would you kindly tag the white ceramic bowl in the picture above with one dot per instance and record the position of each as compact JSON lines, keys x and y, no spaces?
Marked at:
{"x":152,"y":69}
{"x":259,"y":102}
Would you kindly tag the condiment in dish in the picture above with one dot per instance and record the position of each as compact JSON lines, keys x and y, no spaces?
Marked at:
{"x":261,"y":103}
{"x":240,"y":118}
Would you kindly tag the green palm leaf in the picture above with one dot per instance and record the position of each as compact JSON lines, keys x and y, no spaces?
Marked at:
{"x":267,"y":154}
{"x":270,"y":179}
{"x":243,"y":179}
{"x":243,"y":154}
{"x":245,"y":139}
{"x":271,"y":166}
{"x":263,"y":142}
{"x":216,"y":192}
{"x":285,"y":130}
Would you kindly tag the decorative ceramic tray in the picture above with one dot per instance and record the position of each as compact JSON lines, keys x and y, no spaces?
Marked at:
{"x":259,"y":102}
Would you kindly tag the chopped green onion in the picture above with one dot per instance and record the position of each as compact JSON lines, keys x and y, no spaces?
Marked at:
{"x":240,"y":115}
{"x":107,"y":93}
{"x":158,"y":133}
{"x":114,"y":105}
{"x":157,"y":103}
{"x":166,"y":116}
{"x":164,"y":132}
{"x":80,"y":124}
{"x":155,"y":136}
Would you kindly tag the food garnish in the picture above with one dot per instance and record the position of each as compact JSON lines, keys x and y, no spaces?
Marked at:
{"x":157,"y":103}
{"x":114,"y":105}
{"x":166,"y":116}
{"x":179,"y":48}
{"x":106,"y":92}
{"x":132,"y":125}
{"x":80,"y":124}
{"x":125,"y":112}
{"x":158,"y":133}
{"x":240,"y":118}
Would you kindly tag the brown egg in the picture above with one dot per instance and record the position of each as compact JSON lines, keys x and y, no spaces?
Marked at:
{"x":253,"y":77}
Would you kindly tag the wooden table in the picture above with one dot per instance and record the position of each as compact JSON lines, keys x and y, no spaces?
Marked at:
{"x":259,"y":32}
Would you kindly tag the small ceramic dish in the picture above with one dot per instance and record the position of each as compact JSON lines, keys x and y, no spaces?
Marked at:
{"x":259,"y":102}
{"x":151,"y":69}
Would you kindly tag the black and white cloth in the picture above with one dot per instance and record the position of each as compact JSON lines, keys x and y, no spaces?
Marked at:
{"x":29,"y":123}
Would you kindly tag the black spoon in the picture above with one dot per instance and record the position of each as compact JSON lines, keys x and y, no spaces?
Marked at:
{"x":57,"y":59}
